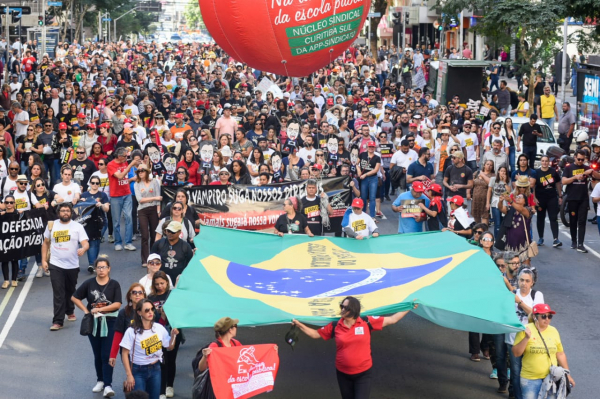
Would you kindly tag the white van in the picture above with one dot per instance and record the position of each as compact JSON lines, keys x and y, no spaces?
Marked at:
{"x":543,"y":143}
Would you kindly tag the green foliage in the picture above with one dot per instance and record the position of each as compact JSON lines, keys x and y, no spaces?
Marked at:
{"x":192,"y":14}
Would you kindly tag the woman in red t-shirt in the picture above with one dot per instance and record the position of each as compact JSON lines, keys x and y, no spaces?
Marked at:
{"x":352,"y":335}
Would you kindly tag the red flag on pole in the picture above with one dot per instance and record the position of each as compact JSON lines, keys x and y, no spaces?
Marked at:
{"x":242,"y":372}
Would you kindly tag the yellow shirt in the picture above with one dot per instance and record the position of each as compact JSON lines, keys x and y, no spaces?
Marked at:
{"x":536,"y":364}
{"x":547,"y":106}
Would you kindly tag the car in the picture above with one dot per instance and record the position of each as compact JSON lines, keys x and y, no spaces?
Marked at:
{"x":175,"y":38}
{"x":543,"y":143}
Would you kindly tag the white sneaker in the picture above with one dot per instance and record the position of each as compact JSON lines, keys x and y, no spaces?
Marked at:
{"x":98,"y":387}
{"x":40,"y":272}
{"x":162,"y":397}
{"x":129,"y":247}
{"x":170,"y":392}
{"x":47,"y":273}
{"x":118,"y":247}
{"x":108,"y":392}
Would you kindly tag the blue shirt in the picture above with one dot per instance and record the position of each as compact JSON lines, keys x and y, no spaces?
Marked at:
{"x":409,"y":225}
{"x":529,"y":173}
{"x":415,"y":169}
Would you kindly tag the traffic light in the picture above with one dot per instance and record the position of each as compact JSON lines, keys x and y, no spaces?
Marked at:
{"x":16,"y":16}
{"x":48,"y":19}
{"x":41,"y":21}
{"x":396,"y":20}
{"x":406,"y":17}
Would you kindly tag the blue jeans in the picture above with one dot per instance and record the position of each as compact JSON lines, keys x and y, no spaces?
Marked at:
{"x":530,"y":151}
{"x":598,"y":221}
{"x":531,"y":389}
{"x":92,"y":253}
{"x":49,"y":166}
{"x":472,"y":165}
{"x":55,"y":172}
{"x":501,"y":355}
{"x":101,"y":348}
{"x":497,"y":217}
{"x":494,"y":82}
{"x":511,"y":157}
{"x":550,"y":123}
{"x":122,"y":204}
{"x":147,"y":379}
{"x":24,"y":262}
{"x":515,"y":373}
{"x":368,"y":191}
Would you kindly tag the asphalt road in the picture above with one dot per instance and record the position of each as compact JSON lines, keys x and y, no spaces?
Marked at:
{"x":413,"y":359}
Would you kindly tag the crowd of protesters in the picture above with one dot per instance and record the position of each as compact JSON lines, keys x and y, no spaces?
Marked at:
{"x":112,"y":123}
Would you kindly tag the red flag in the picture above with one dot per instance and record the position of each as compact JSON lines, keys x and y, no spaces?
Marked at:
{"x":242,"y":372}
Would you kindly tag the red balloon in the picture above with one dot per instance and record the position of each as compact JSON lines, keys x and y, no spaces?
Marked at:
{"x":286,"y":37}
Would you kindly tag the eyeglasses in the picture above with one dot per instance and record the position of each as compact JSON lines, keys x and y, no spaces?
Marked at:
{"x":135,"y":292}
{"x":94,"y":183}
{"x":514,"y":263}
{"x":149,"y":310}
{"x":546,"y":316}
{"x":101,"y":267}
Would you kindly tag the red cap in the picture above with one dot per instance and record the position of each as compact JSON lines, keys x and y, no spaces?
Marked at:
{"x":140,"y":82}
{"x":244,"y":85}
{"x":318,"y":86}
{"x":417,"y":187}
{"x":91,"y":125}
{"x":412,"y":125}
{"x":178,"y":116}
{"x":457,"y":199}
{"x":371,"y":144}
{"x":436,"y":188}
{"x":542,"y":308}
{"x":196,"y":111}
{"x":330,"y":101}
{"x":106,"y":125}
{"x":121,"y":82}
{"x":357,"y":203}
{"x":367,"y":101}
{"x":81,"y":115}
{"x":317,"y":166}
{"x":377,"y":90}
{"x":62,"y":126}
{"x":127,"y":120}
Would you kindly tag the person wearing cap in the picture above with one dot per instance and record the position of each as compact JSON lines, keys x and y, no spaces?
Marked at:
{"x":357,"y":224}
{"x":313,"y":207}
{"x":410,"y":221}
{"x":540,"y":345}
{"x":520,"y":207}
{"x":403,"y":159}
{"x":353,"y":334}
{"x":174,"y":252}
{"x":458,"y":177}
{"x":459,"y":221}
{"x":292,"y":221}
{"x":436,"y":215}
{"x":367,"y":169}
{"x":83,"y":168}
{"x":226,"y":124}
{"x":154,"y":263}
{"x":224,"y":176}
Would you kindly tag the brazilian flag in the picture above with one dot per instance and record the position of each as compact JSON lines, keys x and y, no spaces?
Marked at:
{"x":262,"y":279}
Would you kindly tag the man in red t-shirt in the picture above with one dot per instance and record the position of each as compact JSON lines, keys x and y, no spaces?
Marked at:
{"x":120,"y":197}
{"x":28,"y":62}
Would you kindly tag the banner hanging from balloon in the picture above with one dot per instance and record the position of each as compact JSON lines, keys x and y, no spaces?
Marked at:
{"x":285,"y":37}
{"x":258,"y":207}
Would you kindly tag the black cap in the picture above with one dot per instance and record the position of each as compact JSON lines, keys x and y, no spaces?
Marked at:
{"x":292,"y":336}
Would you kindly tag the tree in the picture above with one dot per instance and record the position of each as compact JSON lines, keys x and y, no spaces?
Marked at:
{"x":192,"y":14}
{"x":379,"y":6}
{"x":532,"y":26}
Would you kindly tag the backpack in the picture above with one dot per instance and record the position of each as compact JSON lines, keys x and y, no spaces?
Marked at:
{"x":334,"y":325}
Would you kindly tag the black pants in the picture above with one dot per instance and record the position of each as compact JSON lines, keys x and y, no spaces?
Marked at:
{"x":134,"y":215}
{"x":110,"y":225}
{"x":566,"y":145}
{"x":477,"y":345}
{"x":168,"y":367}
{"x":355,"y":386}
{"x":64,"y":282}
{"x":550,"y":206}
{"x":14,"y":269}
{"x":577,"y":218}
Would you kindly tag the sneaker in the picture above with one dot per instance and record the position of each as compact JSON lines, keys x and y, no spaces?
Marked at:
{"x":108,"y":392}
{"x":387,"y":198}
{"x":557,"y":243}
{"x":134,"y":238}
{"x":503,"y":388}
{"x":494,"y":375}
{"x":90,"y":269}
{"x":98,"y":387}
{"x":47,"y":273}
{"x":21,"y":275}
{"x":486,"y":354}
{"x":379,"y":214}
{"x":162,"y":397}
{"x":508,"y":374}
{"x":573,"y":245}
{"x":582,"y":249}
{"x":14,"y":284}
{"x":39,"y":273}
{"x":170,"y":392}
{"x":130,"y":247}
{"x":475,"y":357}
{"x":111,"y":239}
{"x":540,"y":242}
{"x":55,"y":327}
{"x":102,"y":239}
{"x":118,"y":247}
{"x":5,"y":284}
{"x":72,"y":317}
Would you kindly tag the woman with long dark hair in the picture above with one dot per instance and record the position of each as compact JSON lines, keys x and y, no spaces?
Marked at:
{"x":142,"y":351}
{"x":148,"y":195}
{"x":240,"y":174}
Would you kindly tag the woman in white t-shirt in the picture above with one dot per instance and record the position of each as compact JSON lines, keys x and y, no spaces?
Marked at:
{"x":143,"y":345}
{"x":68,"y":190}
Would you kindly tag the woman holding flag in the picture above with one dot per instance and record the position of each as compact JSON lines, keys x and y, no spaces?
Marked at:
{"x":352,"y":334}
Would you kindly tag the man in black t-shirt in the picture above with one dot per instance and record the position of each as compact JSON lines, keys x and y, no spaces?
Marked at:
{"x":458,"y":177}
{"x":548,"y":196}
{"x":175,"y":252}
{"x":529,"y":132}
{"x":575,"y":177}
{"x":311,"y":207}
{"x":82,"y":168}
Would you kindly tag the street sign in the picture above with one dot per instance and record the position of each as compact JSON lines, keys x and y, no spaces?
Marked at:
{"x":149,"y":6}
{"x":55,"y":4}
{"x":20,"y":10}
{"x":106,"y":19}
{"x":374,"y":15}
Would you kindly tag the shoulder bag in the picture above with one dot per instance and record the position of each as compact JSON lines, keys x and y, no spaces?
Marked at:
{"x":532,"y":248}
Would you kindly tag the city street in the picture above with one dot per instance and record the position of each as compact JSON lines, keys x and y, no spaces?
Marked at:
{"x":412,"y":359}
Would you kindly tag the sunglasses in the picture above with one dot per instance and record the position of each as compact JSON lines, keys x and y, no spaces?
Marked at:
{"x":580,"y":159}
{"x":486,"y":239}
{"x":93,"y":183}
{"x":135,"y":292}
{"x":546,"y":316}
{"x":14,"y":168}
{"x":21,"y":183}
{"x":343,"y":307}
{"x":149,"y":310}
{"x":9,"y":202}
{"x":181,"y":173}
{"x":319,"y":155}
{"x":479,"y":232}
{"x":79,"y":152}
{"x":178,"y":209}
{"x":156,"y":262}
{"x":101,"y":164}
